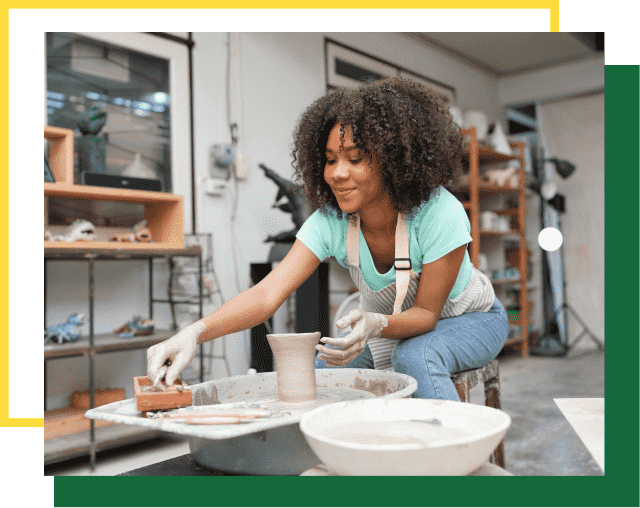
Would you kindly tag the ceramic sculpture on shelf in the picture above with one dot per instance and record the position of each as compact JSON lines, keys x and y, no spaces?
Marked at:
{"x":500,"y":177}
{"x":498,"y":140}
{"x":91,"y":147}
{"x":476,"y":118}
{"x":456,"y":115}
{"x":80,"y":230}
{"x":138,"y":169}
{"x":69,"y":331}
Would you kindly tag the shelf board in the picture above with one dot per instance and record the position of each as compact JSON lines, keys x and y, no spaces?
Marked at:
{"x":104,"y":343}
{"x":499,"y":233}
{"x":518,"y":321}
{"x":489,"y":156}
{"x":507,"y":281}
{"x":77,"y":445}
{"x":514,"y":340}
{"x":108,"y":193}
{"x":507,"y":211}
{"x":116,"y":250}
{"x":487,"y":188}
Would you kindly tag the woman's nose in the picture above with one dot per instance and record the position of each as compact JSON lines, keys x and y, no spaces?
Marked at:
{"x":340,"y":170}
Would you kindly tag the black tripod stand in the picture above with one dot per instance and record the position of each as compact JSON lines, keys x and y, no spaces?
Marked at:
{"x":551,"y":344}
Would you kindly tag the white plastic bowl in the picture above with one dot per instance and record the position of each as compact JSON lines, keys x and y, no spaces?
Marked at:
{"x":455,"y":439}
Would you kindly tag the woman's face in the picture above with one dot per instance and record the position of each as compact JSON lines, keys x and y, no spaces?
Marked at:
{"x":355,"y":182}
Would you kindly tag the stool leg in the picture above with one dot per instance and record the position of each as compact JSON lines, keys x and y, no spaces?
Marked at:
{"x":492,"y":399}
{"x":463,"y":391}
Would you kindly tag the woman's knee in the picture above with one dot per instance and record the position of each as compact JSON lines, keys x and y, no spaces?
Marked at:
{"x":414,"y":355}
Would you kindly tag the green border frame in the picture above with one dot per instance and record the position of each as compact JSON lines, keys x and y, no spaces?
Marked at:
{"x":21,"y":446}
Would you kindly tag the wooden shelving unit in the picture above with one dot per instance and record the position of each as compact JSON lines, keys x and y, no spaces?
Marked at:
{"x":475,"y":189}
{"x":162,"y":211}
{"x":164,"y":215}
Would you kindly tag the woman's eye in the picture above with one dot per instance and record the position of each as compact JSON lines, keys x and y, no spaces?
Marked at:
{"x":330,"y":162}
{"x":355,"y":161}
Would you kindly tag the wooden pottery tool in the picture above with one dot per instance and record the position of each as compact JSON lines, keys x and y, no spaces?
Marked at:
{"x":147,"y":399}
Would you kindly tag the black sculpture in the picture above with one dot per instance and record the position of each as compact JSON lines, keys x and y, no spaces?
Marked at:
{"x":91,"y":148}
{"x":296,"y":204}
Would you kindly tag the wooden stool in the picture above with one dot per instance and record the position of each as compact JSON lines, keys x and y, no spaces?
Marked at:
{"x":490,"y":377}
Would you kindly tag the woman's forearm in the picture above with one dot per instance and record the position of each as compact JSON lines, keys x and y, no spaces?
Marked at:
{"x":410,"y":323}
{"x":246,"y":310}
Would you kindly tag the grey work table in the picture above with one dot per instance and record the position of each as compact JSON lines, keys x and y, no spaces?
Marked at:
{"x":186,"y":466}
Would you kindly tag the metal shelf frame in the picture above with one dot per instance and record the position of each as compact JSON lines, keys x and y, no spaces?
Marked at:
{"x":100,"y":344}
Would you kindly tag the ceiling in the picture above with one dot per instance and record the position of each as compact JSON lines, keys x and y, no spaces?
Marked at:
{"x":508,"y":53}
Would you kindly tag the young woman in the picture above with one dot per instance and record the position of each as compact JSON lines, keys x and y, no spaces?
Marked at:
{"x":373,"y":161}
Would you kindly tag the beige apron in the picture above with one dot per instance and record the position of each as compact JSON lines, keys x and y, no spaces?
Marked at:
{"x":477,"y":296}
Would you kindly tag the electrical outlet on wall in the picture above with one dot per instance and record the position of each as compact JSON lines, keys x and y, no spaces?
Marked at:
{"x":221,"y":160}
{"x":241,"y":166}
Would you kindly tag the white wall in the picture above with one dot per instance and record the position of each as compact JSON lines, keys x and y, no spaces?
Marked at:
{"x":281,"y":74}
{"x":553,"y":83}
{"x":575,"y":132}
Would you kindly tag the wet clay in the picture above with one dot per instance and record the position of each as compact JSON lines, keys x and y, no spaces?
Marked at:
{"x":271,"y":401}
{"x":294,"y":354}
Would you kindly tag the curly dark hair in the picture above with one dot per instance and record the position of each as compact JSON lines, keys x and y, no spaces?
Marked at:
{"x":404,"y":125}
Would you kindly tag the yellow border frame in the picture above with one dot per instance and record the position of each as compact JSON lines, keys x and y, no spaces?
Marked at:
{"x":553,"y":6}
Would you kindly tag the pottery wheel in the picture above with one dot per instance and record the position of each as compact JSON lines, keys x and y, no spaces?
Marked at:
{"x":270,"y":401}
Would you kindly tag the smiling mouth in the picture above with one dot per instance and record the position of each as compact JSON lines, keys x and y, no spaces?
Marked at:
{"x":344,"y":192}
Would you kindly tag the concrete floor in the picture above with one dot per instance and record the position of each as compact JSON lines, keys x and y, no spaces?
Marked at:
{"x":540,"y":441}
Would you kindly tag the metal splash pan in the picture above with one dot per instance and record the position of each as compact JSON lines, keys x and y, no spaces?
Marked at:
{"x":379,"y":383}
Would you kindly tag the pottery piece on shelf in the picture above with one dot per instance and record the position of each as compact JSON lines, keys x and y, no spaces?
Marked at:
{"x":69,"y":331}
{"x":500,"y":177}
{"x":498,"y":140}
{"x":476,"y":118}
{"x":80,"y":230}
{"x":138,"y":169}
{"x":456,"y":115}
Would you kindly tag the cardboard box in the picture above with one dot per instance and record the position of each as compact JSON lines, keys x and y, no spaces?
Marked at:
{"x":81,"y":400}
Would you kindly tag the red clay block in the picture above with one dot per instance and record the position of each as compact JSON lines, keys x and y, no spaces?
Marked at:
{"x":147,"y":400}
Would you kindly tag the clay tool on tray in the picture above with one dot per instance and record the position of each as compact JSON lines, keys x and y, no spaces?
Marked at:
{"x":216,"y":414}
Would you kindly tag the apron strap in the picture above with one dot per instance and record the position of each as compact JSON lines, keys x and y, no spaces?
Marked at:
{"x":353,"y":240}
{"x":402,"y":263}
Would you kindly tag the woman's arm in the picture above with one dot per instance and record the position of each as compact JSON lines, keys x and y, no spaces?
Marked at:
{"x":436,"y":281}
{"x":258,"y":303}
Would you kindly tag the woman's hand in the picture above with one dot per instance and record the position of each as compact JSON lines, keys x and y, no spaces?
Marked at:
{"x":365,"y":325}
{"x":180,"y":349}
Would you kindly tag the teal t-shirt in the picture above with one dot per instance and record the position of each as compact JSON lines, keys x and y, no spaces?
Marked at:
{"x":439,"y":226}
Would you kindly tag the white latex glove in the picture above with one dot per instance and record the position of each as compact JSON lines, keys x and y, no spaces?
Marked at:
{"x":365,"y":325}
{"x":180,"y":349}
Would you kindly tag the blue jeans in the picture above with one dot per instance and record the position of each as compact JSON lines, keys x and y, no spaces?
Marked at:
{"x":459,"y":343}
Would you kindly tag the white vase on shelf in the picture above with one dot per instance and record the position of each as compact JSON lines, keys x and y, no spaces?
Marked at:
{"x":498,"y":140}
{"x":476,"y":118}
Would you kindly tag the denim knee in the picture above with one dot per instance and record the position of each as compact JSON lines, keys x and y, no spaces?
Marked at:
{"x":406,"y":358}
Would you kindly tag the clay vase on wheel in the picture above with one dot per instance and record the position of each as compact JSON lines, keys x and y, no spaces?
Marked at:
{"x":295,"y":363}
